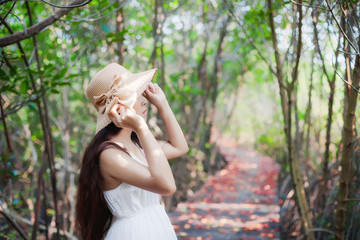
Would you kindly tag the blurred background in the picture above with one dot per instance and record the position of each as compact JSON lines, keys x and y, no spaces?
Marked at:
{"x":280,"y":77}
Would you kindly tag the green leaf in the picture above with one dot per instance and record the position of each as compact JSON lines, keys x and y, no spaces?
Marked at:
{"x":23,"y":87}
{"x":32,"y":106}
{"x":3,"y":75}
{"x":60,"y":74}
{"x":53,"y":90}
{"x":72,"y":75}
{"x":64,"y":83}
{"x":105,"y":28}
{"x":50,"y":211}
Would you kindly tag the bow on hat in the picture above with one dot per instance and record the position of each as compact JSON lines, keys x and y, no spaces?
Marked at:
{"x":119,"y":92}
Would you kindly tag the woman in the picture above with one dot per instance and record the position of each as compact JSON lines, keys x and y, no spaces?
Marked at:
{"x":124,"y":168}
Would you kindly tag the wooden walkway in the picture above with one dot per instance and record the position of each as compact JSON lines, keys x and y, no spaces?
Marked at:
{"x":238,"y":203}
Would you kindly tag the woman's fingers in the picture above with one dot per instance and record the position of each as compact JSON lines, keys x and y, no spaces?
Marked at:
{"x":152,"y":87}
{"x":118,"y":117}
{"x":114,"y":116}
{"x":146,"y":92}
{"x":122,"y":112}
{"x":124,"y":117}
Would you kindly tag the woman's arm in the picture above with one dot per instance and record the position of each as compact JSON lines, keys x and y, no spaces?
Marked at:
{"x":157,"y":177}
{"x":176,"y":145}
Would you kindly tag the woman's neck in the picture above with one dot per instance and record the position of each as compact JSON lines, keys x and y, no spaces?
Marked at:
{"x":124,"y":137}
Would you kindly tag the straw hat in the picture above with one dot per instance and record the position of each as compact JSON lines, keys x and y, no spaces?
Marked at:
{"x":115,"y":84}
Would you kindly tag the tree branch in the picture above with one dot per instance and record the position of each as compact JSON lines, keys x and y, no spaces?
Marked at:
{"x":37,"y":28}
{"x":23,"y":220}
{"x":298,"y":50}
{"x":322,"y":230}
{"x":317,"y":46}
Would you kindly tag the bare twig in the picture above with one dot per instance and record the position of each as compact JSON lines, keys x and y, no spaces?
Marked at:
{"x":87,"y":19}
{"x":348,"y":83}
{"x":19,"y":218}
{"x":11,"y":14}
{"x":317,"y":46}
{"x":314,"y":6}
{"x":94,"y":14}
{"x":175,"y":9}
{"x":20,"y":105}
{"x":311,"y":6}
{"x":7,"y":62}
{"x":5,"y":1}
{"x":15,"y":225}
{"x":12,"y":7}
{"x":342,"y":30}
{"x":237,"y":20}
{"x":349,"y":53}
{"x":322,"y":230}
{"x":66,"y":6}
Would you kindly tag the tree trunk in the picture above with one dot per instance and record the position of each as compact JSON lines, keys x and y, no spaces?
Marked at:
{"x":120,"y":27}
{"x":298,"y":133}
{"x":64,"y":126}
{"x":7,"y":140}
{"x":214,"y":80}
{"x":286,"y":103}
{"x":331,"y":82}
{"x":152,"y":59}
{"x":45,"y":123}
{"x":307,"y":121}
{"x":37,"y":207}
{"x":347,"y":152}
{"x":200,"y":101}
{"x":202,"y":76}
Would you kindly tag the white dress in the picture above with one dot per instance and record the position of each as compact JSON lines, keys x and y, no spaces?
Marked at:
{"x":138,"y":214}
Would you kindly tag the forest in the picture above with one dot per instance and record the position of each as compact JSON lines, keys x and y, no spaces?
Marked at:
{"x":279,"y":77}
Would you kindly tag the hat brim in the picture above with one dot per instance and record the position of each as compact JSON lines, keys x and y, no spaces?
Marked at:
{"x":139,"y":82}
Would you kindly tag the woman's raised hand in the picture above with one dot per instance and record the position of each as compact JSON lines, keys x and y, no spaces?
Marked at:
{"x":125,"y":117}
{"x":155,"y":95}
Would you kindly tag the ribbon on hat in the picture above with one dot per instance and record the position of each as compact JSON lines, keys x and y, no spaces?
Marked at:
{"x":119,"y":92}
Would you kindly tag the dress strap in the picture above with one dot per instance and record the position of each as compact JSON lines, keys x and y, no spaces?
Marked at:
{"x":137,"y":159}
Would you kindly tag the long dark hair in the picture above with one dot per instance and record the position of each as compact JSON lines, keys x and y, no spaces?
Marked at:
{"x":93,"y":217}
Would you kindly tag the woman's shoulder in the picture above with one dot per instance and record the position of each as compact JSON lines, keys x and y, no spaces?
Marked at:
{"x":107,"y":145}
{"x":110,"y":148}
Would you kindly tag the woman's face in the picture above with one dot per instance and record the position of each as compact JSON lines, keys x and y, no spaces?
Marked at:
{"x":140,"y":106}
